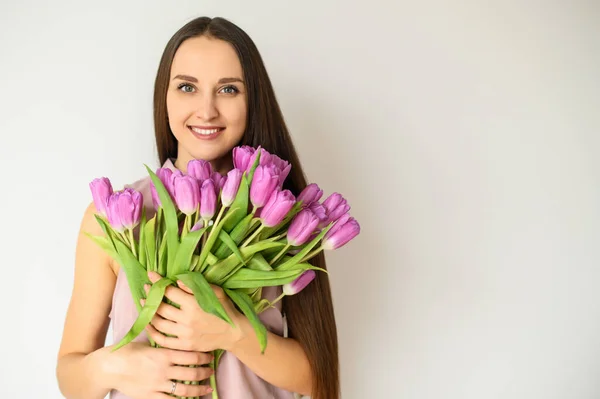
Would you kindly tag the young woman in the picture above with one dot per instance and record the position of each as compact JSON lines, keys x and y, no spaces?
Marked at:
{"x":212,"y":93}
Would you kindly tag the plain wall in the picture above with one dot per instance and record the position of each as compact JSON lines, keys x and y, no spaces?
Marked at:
{"x":464,"y":134}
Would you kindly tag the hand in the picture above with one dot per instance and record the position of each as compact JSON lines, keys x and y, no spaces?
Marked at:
{"x":190,"y":327}
{"x":144,"y":372}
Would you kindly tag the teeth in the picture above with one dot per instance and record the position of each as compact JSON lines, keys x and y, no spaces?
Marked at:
{"x":205,"y":132}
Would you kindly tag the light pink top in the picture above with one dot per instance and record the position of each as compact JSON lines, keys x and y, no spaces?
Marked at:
{"x":234,"y":379}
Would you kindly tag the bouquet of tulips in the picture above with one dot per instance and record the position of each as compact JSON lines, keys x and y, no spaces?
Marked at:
{"x":241,"y":232}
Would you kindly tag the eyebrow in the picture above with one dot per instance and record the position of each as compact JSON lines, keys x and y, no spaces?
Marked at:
{"x":221,"y":81}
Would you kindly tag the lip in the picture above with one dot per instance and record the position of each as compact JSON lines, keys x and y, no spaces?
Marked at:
{"x":206,"y":136}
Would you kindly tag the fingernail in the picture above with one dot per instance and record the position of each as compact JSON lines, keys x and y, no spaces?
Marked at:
{"x":147,"y":287}
{"x":209,"y":390}
{"x":142,"y":301}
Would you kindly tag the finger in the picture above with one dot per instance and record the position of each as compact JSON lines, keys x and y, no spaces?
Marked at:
{"x":218,"y":291}
{"x":187,"y":358}
{"x":166,"y":326}
{"x":164,"y":341}
{"x":184,"y":287}
{"x":153,"y":276}
{"x":177,"y":295}
{"x":184,"y":390}
{"x":170,"y":312}
{"x":184,"y":373}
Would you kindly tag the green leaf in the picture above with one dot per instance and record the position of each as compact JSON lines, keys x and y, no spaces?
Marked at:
{"x":302,"y":266}
{"x":136,"y":275}
{"x":188,"y":245}
{"x":212,"y":237}
{"x":300,"y":255}
{"x":142,"y":255}
{"x":245,"y":304}
{"x":155,"y":297}
{"x":254,"y":166}
{"x":231,"y":245}
{"x":239,"y":207}
{"x":261,"y":306}
{"x":219,"y":272}
{"x":258,"y":262}
{"x":163,"y":257}
{"x":170,"y":216}
{"x":247,"y":278}
{"x":205,"y":296}
{"x":237,"y":235}
{"x":106,"y":245}
{"x":150,"y":245}
{"x":108,"y":230}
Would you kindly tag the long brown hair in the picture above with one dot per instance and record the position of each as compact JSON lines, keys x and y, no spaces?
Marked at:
{"x":309,"y":314}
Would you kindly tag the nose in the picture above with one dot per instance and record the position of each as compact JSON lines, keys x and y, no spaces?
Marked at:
{"x":207,"y":109}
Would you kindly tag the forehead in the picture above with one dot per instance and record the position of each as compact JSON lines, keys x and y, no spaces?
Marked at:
{"x":206,"y":59}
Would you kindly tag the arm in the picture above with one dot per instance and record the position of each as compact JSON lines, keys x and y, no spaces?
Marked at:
{"x":284,"y":363}
{"x":81,"y":367}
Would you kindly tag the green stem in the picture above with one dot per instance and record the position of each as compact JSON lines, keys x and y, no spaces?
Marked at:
{"x":280,"y":254}
{"x":311,"y":254}
{"x":213,"y":378}
{"x":279,"y":298}
{"x":249,"y":240}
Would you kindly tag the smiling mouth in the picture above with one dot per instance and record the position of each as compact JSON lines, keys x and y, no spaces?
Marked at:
{"x":206,"y":131}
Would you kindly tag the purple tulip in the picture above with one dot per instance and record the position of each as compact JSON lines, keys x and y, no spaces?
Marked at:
{"x":124,"y":209}
{"x":241,"y":157}
{"x":264,"y":182}
{"x":208,"y":204}
{"x":219,"y":181}
{"x":277,"y":207}
{"x":310,"y":194}
{"x":336,"y":206}
{"x":283,"y":166}
{"x":345,"y":229}
{"x":166,"y":176}
{"x":302,"y":227}
{"x":187,"y":193}
{"x":319,"y":210}
{"x":231,"y":186}
{"x":101,"y":191}
{"x":200,"y":169}
{"x":300,"y":283}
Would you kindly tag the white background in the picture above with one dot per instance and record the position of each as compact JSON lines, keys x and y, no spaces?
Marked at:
{"x":465,"y":136}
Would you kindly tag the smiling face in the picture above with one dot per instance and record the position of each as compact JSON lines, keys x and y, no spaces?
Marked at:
{"x":206,"y":102}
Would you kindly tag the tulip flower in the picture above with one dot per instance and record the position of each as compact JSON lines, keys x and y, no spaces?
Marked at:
{"x":302,"y":227}
{"x":166,"y":176}
{"x":336,"y":206}
{"x":101,"y":191}
{"x":200,"y":169}
{"x":124,"y":209}
{"x":187,"y":193}
{"x":242,"y":156}
{"x":300,"y":283}
{"x":208,"y":204}
{"x":319,"y":210}
{"x":219,"y":181}
{"x":284,"y":168}
{"x":264,"y":182}
{"x":344,"y":230}
{"x":231,"y":186}
{"x":310,"y":194}
{"x":277,"y":207}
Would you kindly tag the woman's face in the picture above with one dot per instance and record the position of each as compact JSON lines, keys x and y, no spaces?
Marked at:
{"x":206,"y":102}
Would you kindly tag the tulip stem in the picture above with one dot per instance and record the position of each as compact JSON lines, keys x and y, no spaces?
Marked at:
{"x":280,"y":254}
{"x":132,"y":242}
{"x":249,"y":240}
{"x":279,"y":298}
{"x":312,"y":254}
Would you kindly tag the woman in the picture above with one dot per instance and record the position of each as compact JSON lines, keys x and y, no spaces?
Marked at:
{"x":212,"y":93}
